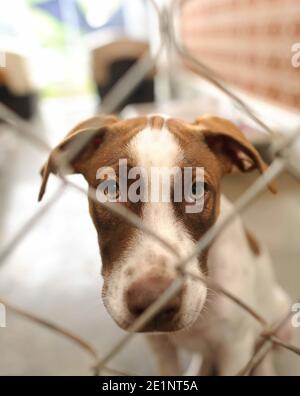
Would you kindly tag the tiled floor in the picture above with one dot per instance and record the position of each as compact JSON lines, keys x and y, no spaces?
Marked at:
{"x":55,"y":271}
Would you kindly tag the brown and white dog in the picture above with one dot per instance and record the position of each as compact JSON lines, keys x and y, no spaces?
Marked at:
{"x":136,"y":270}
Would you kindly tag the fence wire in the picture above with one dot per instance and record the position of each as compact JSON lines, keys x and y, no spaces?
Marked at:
{"x":167,"y":16}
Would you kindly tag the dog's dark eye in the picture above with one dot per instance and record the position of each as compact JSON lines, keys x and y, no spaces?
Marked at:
{"x":198,"y":190}
{"x":111,"y":189}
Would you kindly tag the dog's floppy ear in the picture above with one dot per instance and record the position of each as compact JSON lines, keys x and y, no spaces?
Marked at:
{"x":79,"y":145}
{"x":226,"y":140}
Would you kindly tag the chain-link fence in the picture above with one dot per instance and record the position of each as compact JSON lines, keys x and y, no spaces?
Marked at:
{"x":170,"y":39}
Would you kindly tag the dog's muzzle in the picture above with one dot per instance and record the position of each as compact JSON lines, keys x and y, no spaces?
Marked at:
{"x":143,"y":292}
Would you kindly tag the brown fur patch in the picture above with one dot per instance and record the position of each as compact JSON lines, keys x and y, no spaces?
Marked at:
{"x":2,"y":78}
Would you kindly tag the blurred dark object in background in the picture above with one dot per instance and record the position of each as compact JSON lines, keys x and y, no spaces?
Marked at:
{"x":112,"y":60}
{"x":23,"y":105}
{"x":16,"y":90}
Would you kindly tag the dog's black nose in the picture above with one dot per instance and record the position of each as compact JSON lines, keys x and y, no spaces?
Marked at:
{"x":144,"y":291}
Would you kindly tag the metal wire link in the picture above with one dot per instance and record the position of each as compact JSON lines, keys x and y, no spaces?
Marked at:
{"x":166,"y":16}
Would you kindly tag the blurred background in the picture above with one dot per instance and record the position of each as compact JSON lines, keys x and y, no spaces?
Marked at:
{"x":58,"y":61}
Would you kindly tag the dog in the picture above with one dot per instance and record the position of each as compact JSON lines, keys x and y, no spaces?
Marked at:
{"x":136,"y":269}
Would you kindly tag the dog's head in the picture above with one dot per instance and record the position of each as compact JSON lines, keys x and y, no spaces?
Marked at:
{"x":135,"y":268}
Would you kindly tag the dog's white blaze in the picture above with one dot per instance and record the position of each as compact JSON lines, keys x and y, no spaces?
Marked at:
{"x":159,"y":148}
{"x":155,"y":147}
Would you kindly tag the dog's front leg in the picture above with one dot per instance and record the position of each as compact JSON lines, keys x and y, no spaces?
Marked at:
{"x":233,"y":356}
{"x":266,"y":367}
{"x":165,"y":354}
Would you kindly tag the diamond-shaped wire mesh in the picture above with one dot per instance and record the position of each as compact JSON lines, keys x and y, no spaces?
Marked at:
{"x":169,"y":39}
